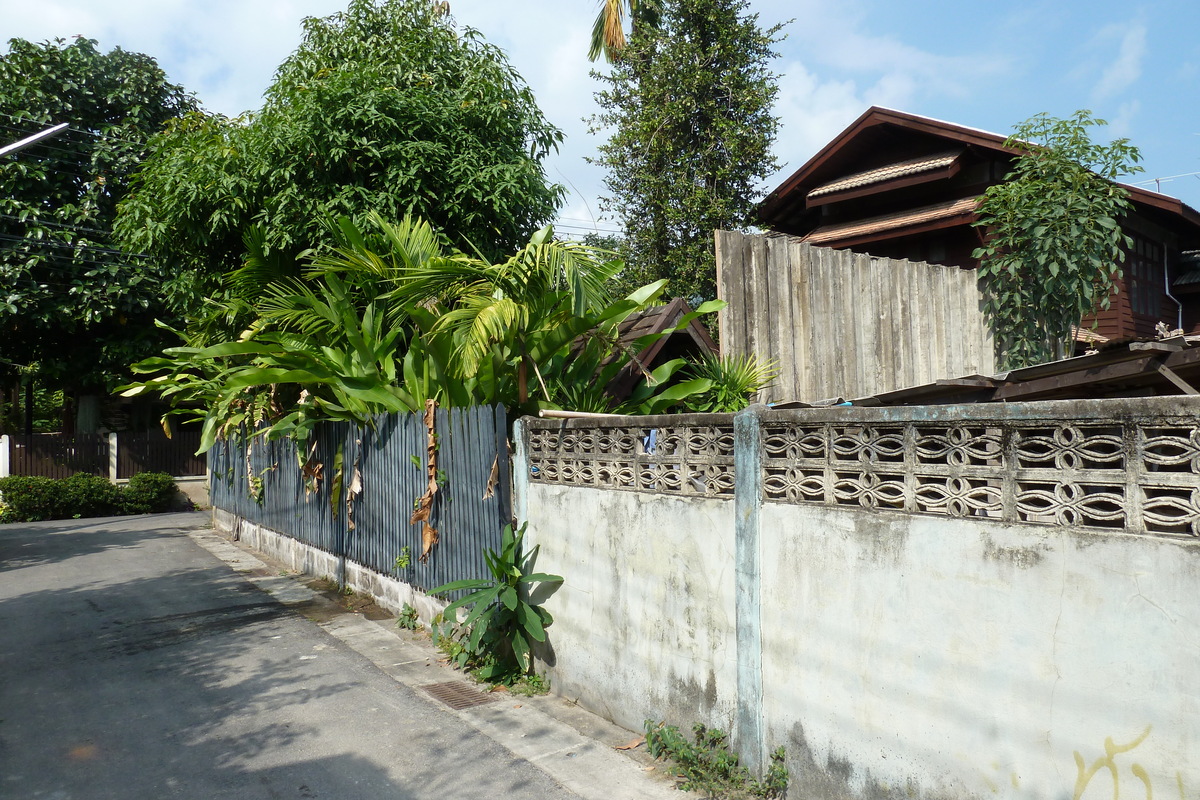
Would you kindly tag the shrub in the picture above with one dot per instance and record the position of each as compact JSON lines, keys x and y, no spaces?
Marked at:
{"x":84,"y":495}
{"x":148,"y":493}
{"x":24,"y":498}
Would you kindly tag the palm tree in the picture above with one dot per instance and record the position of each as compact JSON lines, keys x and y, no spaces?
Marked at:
{"x":608,"y":32}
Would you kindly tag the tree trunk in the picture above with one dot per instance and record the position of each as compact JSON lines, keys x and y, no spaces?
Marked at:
{"x":87,"y":416}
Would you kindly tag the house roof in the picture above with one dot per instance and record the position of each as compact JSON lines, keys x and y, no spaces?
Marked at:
{"x":914,"y":220}
{"x":872,"y":136}
{"x":694,"y":337}
{"x":900,"y":169}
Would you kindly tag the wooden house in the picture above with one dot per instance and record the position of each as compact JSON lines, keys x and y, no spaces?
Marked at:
{"x":902,"y":186}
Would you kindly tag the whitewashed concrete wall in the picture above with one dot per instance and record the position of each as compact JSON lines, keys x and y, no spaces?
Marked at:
{"x":962,"y":658}
{"x":901,"y":656}
{"x":644,"y":623}
{"x":843,"y":324}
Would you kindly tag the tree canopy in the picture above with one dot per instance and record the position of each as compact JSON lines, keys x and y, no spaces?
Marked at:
{"x":74,"y":308}
{"x":689,"y":106}
{"x":385,"y":107}
{"x":393,"y":318}
{"x":1054,"y":240}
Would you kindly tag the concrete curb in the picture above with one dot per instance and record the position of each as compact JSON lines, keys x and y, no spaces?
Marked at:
{"x":572,"y":746}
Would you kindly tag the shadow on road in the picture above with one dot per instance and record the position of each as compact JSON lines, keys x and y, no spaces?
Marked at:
{"x":129,"y":670}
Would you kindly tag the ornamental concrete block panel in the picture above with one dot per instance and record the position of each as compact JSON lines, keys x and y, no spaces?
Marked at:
{"x":966,"y":602}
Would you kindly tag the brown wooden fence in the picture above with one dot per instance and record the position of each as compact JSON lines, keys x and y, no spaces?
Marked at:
{"x":154,"y":452}
{"x":52,"y":455}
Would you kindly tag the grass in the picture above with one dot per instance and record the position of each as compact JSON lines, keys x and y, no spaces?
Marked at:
{"x":708,"y":765}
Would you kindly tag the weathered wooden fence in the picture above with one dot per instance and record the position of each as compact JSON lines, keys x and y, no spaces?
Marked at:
{"x":843,"y":324}
{"x":362,"y":511}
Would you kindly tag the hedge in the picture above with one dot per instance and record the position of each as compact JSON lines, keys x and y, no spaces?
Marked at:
{"x":28,"y":499}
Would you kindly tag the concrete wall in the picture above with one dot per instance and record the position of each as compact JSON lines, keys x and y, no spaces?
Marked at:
{"x":388,"y":593}
{"x":899,"y":655}
{"x":961,"y":658}
{"x":644,"y":623}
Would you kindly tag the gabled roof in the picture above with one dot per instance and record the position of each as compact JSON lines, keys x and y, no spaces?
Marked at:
{"x":692,"y":338}
{"x":867,"y":147}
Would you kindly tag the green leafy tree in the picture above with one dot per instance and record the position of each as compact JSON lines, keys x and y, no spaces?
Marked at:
{"x":1054,"y":243}
{"x":75,"y":310}
{"x":689,"y":106}
{"x":384,"y":107}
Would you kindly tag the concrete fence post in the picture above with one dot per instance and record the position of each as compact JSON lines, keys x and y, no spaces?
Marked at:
{"x":112,"y":456}
{"x":5,"y":444}
{"x":520,"y":471}
{"x":748,"y":469}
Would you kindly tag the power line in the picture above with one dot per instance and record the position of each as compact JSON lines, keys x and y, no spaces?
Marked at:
{"x":53,"y":224}
{"x":69,"y":246}
{"x":73,"y":129}
{"x":1159,"y":181}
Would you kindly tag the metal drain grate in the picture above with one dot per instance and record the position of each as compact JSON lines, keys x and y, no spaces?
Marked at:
{"x":457,"y":694}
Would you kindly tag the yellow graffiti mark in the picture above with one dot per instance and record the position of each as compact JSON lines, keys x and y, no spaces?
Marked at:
{"x":1140,"y":773}
{"x":1107,"y":761}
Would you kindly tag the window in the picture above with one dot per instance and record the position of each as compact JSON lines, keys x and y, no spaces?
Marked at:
{"x":1144,"y":271}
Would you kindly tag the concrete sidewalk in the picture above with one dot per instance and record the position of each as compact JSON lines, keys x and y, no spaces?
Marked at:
{"x":134,"y":664}
{"x":573,"y":746}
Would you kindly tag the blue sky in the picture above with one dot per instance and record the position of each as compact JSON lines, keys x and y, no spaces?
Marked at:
{"x":984,"y":65}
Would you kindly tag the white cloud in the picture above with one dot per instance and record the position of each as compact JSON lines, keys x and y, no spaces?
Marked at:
{"x":811,"y":112}
{"x":224,"y":50}
{"x":1126,"y":67}
{"x":1122,"y":124}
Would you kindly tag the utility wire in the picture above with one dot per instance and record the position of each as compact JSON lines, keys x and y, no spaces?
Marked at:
{"x":34,"y":243}
{"x":53,"y":224}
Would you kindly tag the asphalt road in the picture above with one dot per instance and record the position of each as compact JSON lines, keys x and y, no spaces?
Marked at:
{"x":135,"y":664}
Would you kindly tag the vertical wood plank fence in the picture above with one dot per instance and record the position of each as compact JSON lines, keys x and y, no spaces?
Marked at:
{"x":154,"y":452}
{"x":262,"y":483}
{"x":843,"y":324}
{"x":116,"y":456}
{"x":52,"y":455}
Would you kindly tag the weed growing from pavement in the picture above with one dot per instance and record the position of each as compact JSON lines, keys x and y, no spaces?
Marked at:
{"x":482,"y":668}
{"x":408,"y":618}
{"x":709,"y":766}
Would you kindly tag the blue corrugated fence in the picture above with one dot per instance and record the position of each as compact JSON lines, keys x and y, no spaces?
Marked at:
{"x":262,"y":482}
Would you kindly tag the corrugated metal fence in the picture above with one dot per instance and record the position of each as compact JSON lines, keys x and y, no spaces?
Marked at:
{"x":843,"y":324}
{"x":391,"y":460}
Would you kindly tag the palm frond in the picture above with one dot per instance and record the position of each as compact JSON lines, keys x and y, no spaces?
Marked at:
{"x":608,"y":31}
